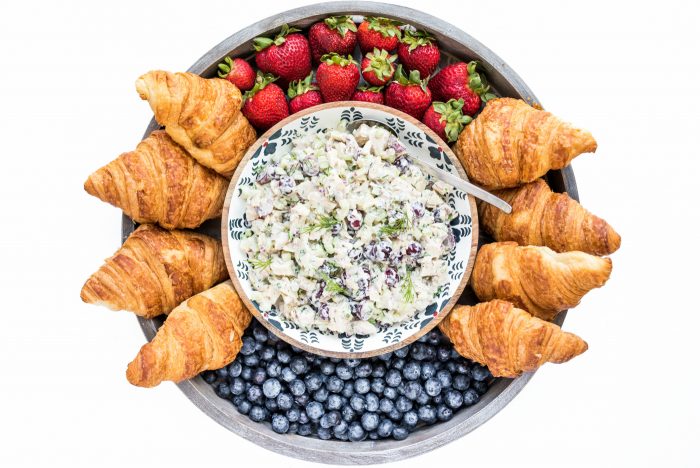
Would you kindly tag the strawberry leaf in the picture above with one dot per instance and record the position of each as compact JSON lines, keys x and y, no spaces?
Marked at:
{"x":342,"y":24}
{"x":261,"y":81}
{"x":299,"y":87}
{"x":336,"y":59}
{"x":478,"y":84}
{"x":225,"y":68}
{"x":451,"y":112}
{"x":381,"y":63}
{"x":414,"y":39}
{"x":262,"y":43}
{"x":385,"y":26}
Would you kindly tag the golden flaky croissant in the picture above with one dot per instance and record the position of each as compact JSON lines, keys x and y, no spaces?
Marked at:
{"x":155,"y":270}
{"x":203,"y":115}
{"x":541,"y":217}
{"x":508,"y":340}
{"x":535,"y":278}
{"x":160,"y":183}
{"x":511,"y":143}
{"x":202,"y":333}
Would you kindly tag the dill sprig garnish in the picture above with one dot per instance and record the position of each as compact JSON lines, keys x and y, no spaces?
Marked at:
{"x":260,"y":264}
{"x":332,"y":285}
{"x":324,"y":222}
{"x":407,"y":288}
{"x":399,"y":225}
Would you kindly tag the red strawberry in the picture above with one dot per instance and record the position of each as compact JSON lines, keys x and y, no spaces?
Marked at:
{"x":379,"y":33}
{"x":461,"y":81}
{"x":369,"y":94}
{"x":303,"y":94}
{"x":378,"y":67}
{"x":265,"y":104}
{"x":337,"y":77}
{"x":446,"y":119}
{"x":286,"y":56}
{"x":238,"y":72}
{"x":409,"y":94}
{"x":334,"y":34}
{"x":418,"y":51}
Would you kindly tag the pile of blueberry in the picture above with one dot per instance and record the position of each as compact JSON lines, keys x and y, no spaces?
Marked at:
{"x":388,"y":396}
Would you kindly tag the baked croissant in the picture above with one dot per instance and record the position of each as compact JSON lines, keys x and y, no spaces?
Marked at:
{"x":508,"y":340}
{"x":541,"y":217}
{"x":511,"y":143}
{"x":202,"y":333}
{"x":203,"y":115}
{"x":536,"y":279}
{"x":155,"y":270}
{"x":160,"y":183}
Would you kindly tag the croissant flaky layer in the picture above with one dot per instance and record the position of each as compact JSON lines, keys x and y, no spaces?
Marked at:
{"x":541,"y":217}
{"x":160,"y":183}
{"x":202,"y":333}
{"x":535,"y":278}
{"x":203,"y":115}
{"x":511,"y":143}
{"x":508,"y":340}
{"x":155,"y":270}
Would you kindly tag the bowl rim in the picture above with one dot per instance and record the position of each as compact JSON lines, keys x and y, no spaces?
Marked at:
{"x":227,"y":245}
{"x":501,"y":392}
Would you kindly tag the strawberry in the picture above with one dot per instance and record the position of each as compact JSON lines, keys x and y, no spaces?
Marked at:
{"x":238,"y":72}
{"x":337,"y":77}
{"x":286,"y":56}
{"x":418,"y":51}
{"x":303,"y":94}
{"x":378,"y":33}
{"x":461,"y":81}
{"x":378,"y":67}
{"x":334,"y":34}
{"x":446,"y":119}
{"x":369,"y":94}
{"x":408,"y":94}
{"x":265,"y":104}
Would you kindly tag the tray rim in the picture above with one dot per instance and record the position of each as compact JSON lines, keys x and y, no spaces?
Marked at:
{"x":502,"y":390}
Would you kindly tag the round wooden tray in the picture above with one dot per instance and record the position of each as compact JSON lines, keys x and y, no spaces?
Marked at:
{"x":456,"y":45}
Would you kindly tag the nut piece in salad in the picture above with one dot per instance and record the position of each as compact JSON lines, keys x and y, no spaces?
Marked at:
{"x":346,"y":235}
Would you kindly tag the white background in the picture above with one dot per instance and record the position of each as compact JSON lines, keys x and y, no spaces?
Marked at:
{"x":629,"y":72}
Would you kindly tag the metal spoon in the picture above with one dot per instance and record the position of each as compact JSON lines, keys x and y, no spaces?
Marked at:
{"x":438,"y":173}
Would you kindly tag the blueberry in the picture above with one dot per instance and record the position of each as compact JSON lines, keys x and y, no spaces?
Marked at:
{"x":254,"y":393}
{"x":427,"y":370}
{"x":210,"y":377}
{"x":386,"y":405}
{"x":222,"y":373}
{"x":267,"y":353}
{"x":284,"y":401}
{"x":402,"y":352}
{"x":271,"y":405}
{"x":390,"y":393}
{"x":384,"y":428}
{"x":348,"y":390}
{"x":313,"y":382}
{"x":271,"y":388}
{"x":293,"y":428}
{"x":287,"y":374}
{"x":378,"y":370}
{"x":321,"y":395}
{"x":244,"y":406}
{"x":411,"y":370}
{"x":362,"y":386}
{"x":293,"y":414}
{"x":433,"y":386}
{"x":299,"y":365}
{"x":355,"y":432}
{"x":399,"y":433}
{"x":481,"y":387}
{"x":393,"y":378}
{"x":297,"y":387}
{"x":443,"y":353}
{"x":454,"y":399}
{"x":444,"y":413}
{"x":273,"y":369}
{"x":304,"y":429}
{"x":234,"y":369}
{"x":398,"y":364}
{"x":445,"y":378}
{"x":314,"y":410}
{"x":423,"y":398}
{"x":403,"y":404}
{"x":258,"y":346}
{"x":280,"y":424}
{"x":237,"y":386}
{"x":340,"y":429}
{"x":246,"y":373}
{"x":372,"y":401}
{"x":348,"y":413}
{"x":385,"y":357}
{"x":377,"y":386}
{"x":259,"y":376}
{"x":480,"y":373}
{"x":303,"y":417}
{"x":427,"y":414}
{"x":463,"y":367}
{"x":395,"y":415}
{"x":434,"y":337}
{"x":370,"y":421}
{"x":364,"y":369}
{"x":325,"y":421}
{"x":419,"y":351}
{"x":334,"y":384}
{"x":248,"y":346}
{"x":302,"y":399}
{"x":410,"y":418}
{"x":412,"y":390}
{"x":460,"y":382}
{"x":352,"y":362}
{"x":451,"y":366}
{"x":358,"y":403}
{"x":334,"y":402}
{"x":323,"y":433}
{"x":257,"y":413}
{"x":284,"y":356}
{"x":373,"y":435}
{"x":260,"y":334}
{"x":343,"y":371}
{"x":438,"y":399}
{"x":327,"y":368}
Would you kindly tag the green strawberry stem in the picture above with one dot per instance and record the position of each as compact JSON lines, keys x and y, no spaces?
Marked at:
{"x":380,"y":62}
{"x":262,"y":43}
{"x":299,"y":87}
{"x":385,"y":26}
{"x":413,"y":78}
{"x":261,"y":80}
{"x":373,"y":89}
{"x":225,"y":68}
{"x":477,"y":83}
{"x":342,"y":24}
{"x":451,"y":112}
{"x":415,"y":39}
{"x":335,"y":59}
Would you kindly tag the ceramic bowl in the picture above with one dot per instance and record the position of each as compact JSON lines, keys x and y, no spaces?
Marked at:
{"x":421,"y":143}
